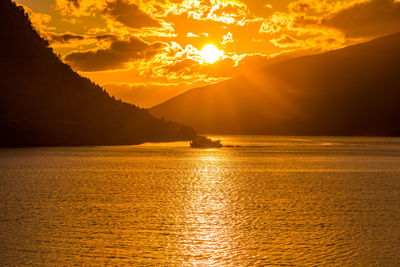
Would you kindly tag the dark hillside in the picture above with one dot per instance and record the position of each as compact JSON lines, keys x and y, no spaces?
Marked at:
{"x":44,"y":102}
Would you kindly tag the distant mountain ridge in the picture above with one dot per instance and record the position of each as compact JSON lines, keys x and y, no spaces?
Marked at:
{"x":44,"y":102}
{"x":350,"y":91}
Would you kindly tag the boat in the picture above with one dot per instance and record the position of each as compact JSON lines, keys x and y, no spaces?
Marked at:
{"x":204,"y":142}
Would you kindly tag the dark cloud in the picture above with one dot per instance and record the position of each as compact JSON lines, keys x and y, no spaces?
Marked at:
{"x":107,"y":37}
{"x":65,"y":38}
{"x":114,"y":57}
{"x":301,"y":7}
{"x":305,"y":21}
{"x":130,"y":15}
{"x":75,"y":3}
{"x":372,"y":18}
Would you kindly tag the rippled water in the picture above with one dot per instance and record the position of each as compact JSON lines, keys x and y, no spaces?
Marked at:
{"x":273,"y":201}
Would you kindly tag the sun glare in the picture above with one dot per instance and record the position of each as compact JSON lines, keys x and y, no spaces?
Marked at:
{"x":210,"y":53}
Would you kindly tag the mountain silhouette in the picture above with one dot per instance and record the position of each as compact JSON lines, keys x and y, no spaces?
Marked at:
{"x":350,"y":91}
{"x":44,"y":102}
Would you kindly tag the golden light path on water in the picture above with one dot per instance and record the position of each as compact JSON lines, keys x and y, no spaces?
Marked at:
{"x":210,"y":238}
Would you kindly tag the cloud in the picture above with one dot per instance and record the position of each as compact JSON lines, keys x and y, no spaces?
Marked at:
{"x":275,"y":23}
{"x":299,"y":22}
{"x":40,"y":21}
{"x":227,"y":38}
{"x":74,"y":2}
{"x":370,"y":18}
{"x":115,"y":57}
{"x":302,"y":28}
{"x":161,"y":38}
{"x":65,"y":37}
{"x":72,"y":41}
{"x":356,"y":19}
{"x":190,"y":34}
{"x":77,"y":8}
{"x":187,"y":64}
{"x":192,"y":69}
{"x":224,"y":11}
{"x":107,"y":37}
{"x":130,"y":15}
{"x":311,"y":6}
{"x":285,"y":41}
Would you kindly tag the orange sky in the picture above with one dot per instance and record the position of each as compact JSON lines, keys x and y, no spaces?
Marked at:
{"x":146,"y":51}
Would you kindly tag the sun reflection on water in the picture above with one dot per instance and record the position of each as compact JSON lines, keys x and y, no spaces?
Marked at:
{"x":209,"y":238}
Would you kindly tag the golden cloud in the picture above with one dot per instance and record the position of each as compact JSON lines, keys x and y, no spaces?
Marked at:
{"x":276,"y":23}
{"x":286,"y":41}
{"x":177,"y":63}
{"x":78,"y":8}
{"x":227,"y":38}
{"x":311,"y":6}
{"x":117,"y":8}
{"x":224,"y":11}
{"x":190,"y":34}
{"x":320,"y":25}
{"x":360,"y":18}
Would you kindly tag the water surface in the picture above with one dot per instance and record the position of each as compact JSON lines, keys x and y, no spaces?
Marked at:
{"x":272,"y":201}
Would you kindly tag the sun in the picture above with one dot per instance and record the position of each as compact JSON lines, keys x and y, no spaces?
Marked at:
{"x":210,"y":53}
